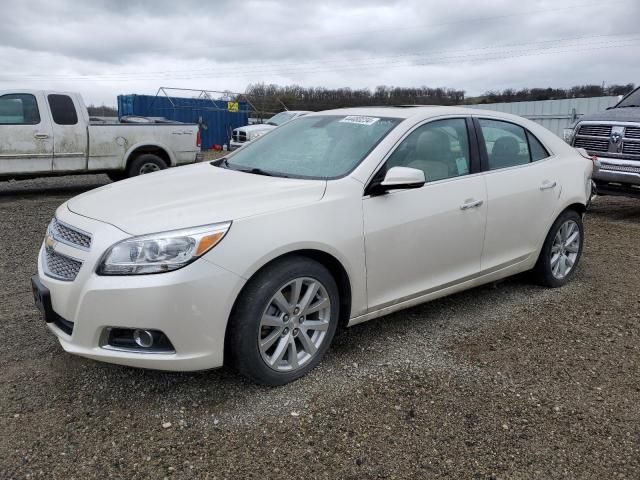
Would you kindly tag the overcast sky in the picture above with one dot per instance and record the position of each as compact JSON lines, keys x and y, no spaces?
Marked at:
{"x":105,"y":48}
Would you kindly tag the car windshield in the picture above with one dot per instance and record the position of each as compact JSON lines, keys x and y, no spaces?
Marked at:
{"x":632,"y":100}
{"x":280,"y":118}
{"x":313,"y":147}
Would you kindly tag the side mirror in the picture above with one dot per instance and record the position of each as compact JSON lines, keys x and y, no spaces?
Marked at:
{"x":399,"y":178}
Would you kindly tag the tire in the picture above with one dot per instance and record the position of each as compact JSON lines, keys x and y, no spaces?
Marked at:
{"x":146,"y":163}
{"x":550,"y":275}
{"x":288,"y":329}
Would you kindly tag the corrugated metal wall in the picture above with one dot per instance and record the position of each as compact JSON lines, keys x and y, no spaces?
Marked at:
{"x":554,"y":115}
{"x":215,"y":120}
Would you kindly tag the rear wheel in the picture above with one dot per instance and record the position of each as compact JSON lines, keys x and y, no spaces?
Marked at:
{"x":284,"y":321}
{"x":146,"y":163}
{"x":561,"y":250}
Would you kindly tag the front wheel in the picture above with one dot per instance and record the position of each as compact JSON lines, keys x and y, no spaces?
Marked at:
{"x":284,"y":321}
{"x":561,"y":250}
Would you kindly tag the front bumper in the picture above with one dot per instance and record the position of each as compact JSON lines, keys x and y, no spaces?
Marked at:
{"x":191,"y":306}
{"x":236,"y":145}
{"x":616,"y":170}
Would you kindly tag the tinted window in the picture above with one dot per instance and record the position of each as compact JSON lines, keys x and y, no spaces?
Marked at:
{"x":62,"y":109}
{"x":327,"y":146}
{"x":538,"y":152}
{"x":506,"y":144}
{"x":440,"y":149}
{"x":19,"y":109}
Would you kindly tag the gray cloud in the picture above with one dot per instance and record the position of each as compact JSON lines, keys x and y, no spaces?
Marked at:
{"x":103,"y":48}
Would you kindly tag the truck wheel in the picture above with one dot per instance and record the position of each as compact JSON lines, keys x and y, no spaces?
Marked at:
{"x":146,"y":163}
{"x":284,"y":321}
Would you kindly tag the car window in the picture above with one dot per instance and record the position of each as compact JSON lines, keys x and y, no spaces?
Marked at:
{"x":538,"y":152}
{"x":62,"y":109}
{"x":19,"y":109}
{"x":506,"y":144}
{"x":440,"y":149}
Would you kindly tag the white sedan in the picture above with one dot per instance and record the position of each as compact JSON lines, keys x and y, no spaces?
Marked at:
{"x":333,"y":219}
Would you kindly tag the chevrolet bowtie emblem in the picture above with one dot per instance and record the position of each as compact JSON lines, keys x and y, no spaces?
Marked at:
{"x":49,"y":243}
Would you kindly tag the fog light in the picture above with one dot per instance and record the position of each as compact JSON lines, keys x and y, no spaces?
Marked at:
{"x":143,"y":338}
{"x":139,"y":340}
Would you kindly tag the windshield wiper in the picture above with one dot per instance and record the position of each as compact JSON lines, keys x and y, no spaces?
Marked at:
{"x":259,"y":171}
{"x":627,"y":106}
{"x":224,"y":163}
{"x":221,"y":162}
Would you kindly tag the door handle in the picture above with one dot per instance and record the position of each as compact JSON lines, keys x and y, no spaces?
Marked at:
{"x":471,"y":204}
{"x":547,"y":185}
{"x":41,"y":135}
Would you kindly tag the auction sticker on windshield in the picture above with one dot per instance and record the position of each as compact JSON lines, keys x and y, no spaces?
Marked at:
{"x":360,"y":120}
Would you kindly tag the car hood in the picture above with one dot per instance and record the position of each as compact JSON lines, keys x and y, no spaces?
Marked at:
{"x":629,"y":114}
{"x":262,"y":127}
{"x":191,"y":196}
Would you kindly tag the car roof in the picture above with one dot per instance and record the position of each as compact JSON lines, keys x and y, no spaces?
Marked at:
{"x":416,"y":111}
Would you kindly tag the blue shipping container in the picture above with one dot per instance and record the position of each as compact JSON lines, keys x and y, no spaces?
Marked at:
{"x":215,"y":120}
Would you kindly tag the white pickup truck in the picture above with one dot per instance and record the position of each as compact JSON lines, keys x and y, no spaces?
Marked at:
{"x":49,"y":133}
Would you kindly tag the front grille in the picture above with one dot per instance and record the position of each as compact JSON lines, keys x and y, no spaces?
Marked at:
{"x":239,"y":136}
{"x":632,"y":132}
{"x":595,"y":130}
{"x":60,"y":266}
{"x":592,"y":144}
{"x":69,"y":235}
{"x":631,"y":148}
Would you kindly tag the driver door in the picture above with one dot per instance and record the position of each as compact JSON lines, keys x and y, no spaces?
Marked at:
{"x":26,"y":139}
{"x":421,"y":240}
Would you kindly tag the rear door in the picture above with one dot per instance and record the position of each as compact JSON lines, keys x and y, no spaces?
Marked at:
{"x":26,"y":140}
{"x":69,"y":134}
{"x":522,"y":190}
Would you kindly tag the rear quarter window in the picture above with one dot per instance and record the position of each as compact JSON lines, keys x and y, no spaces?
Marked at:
{"x":62,"y":109}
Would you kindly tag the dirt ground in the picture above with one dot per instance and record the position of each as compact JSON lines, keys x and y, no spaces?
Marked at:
{"x":503,"y":381}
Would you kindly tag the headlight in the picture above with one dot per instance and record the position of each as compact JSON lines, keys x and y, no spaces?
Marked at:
{"x":161,"y":252}
{"x":567,"y":135}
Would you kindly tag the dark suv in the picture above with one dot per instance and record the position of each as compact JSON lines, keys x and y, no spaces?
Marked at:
{"x":613,"y":136}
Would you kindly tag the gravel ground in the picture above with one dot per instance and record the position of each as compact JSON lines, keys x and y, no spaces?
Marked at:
{"x":503,"y":381}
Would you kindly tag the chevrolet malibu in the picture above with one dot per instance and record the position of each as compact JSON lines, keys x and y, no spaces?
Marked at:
{"x":331,"y":220}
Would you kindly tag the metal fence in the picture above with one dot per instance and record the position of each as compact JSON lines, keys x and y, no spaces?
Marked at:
{"x":555,"y":115}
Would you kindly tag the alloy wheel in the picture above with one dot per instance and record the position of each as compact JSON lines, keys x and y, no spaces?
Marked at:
{"x":565,"y":249}
{"x":148,"y":168}
{"x":294,"y":325}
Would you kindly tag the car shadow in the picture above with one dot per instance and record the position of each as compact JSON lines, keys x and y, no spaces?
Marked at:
{"x":53,"y":186}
